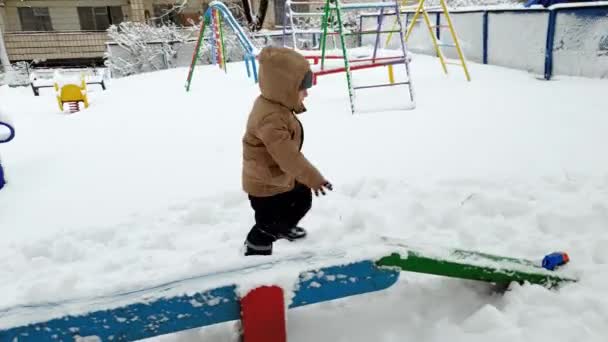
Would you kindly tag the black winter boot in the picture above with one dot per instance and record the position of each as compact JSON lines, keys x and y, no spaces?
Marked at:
{"x":293,"y":233}
{"x":257,"y":250}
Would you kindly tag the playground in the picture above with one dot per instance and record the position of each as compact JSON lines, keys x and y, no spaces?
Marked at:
{"x":126,"y":220}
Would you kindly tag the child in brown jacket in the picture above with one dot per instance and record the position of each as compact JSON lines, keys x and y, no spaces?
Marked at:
{"x":276,"y":175}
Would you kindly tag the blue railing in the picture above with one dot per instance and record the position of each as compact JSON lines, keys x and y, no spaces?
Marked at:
{"x":11,"y":132}
{"x":484,"y":36}
{"x":4,"y":139}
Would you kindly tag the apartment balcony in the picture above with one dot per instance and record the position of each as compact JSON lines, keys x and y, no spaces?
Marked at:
{"x":55,"y":45}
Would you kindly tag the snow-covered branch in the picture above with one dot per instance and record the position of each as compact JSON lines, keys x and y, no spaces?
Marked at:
{"x":138,"y":47}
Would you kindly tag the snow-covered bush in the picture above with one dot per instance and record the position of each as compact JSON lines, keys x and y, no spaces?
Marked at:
{"x":18,"y":75}
{"x":137,"y":47}
{"x":142,"y":47}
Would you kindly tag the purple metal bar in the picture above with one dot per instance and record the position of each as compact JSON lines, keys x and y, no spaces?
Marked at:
{"x":214,"y":29}
{"x":381,"y":85}
{"x":397,"y":60}
{"x":380,"y":17}
{"x":402,"y":38}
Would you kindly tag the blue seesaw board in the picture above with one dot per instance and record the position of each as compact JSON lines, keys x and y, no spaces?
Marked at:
{"x":141,"y":318}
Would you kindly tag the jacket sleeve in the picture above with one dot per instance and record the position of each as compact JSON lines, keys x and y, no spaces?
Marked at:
{"x":275,"y":135}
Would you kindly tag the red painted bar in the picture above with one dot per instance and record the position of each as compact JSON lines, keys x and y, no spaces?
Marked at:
{"x":263,"y":315}
{"x":357,"y":67}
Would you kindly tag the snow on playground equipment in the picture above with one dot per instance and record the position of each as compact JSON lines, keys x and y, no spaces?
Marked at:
{"x":420,"y":9}
{"x":7,"y":133}
{"x":564,"y":39}
{"x":213,"y":19}
{"x":434,"y":33}
{"x":334,"y":24}
{"x":40,"y":78}
{"x":219,"y":297}
{"x":72,"y":94}
{"x":302,"y":18}
{"x":218,"y":37}
{"x":331,"y":19}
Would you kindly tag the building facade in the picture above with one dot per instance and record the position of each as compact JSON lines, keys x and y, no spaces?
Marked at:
{"x":64,"y":32}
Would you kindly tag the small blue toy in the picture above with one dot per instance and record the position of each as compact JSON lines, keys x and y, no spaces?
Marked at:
{"x":553,"y":260}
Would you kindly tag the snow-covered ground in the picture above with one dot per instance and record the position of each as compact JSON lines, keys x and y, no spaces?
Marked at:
{"x":143,"y":188}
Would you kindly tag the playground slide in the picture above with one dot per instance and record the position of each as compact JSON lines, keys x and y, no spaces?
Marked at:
{"x":250,"y":50}
{"x":246,"y":43}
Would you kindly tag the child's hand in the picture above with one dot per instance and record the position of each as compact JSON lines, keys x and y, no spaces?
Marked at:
{"x":321,"y":188}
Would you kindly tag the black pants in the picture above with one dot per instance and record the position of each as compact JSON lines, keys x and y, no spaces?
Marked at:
{"x":277,"y":214}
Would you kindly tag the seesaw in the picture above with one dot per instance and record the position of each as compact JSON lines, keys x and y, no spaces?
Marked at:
{"x":217,"y":297}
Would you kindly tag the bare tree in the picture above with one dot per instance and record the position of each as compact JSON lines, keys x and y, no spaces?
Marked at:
{"x":6,"y":63}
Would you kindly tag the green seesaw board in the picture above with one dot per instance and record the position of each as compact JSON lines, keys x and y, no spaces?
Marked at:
{"x":463,"y":264}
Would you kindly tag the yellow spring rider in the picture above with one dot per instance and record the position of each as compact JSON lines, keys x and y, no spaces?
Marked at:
{"x":72,"y":94}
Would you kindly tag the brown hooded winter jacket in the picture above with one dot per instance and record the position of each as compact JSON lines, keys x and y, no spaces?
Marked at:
{"x":272,"y":160}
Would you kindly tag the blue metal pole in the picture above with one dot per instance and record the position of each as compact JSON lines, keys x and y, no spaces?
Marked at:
{"x":549,"y":47}
{"x":254,"y":67}
{"x":485,"y":37}
{"x":2,"y":181}
{"x":360,"y":37}
{"x":437,"y":27}
{"x":10,"y":137}
{"x":247,"y":61}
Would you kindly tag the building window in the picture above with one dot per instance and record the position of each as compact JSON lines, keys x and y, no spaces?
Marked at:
{"x":35,"y":19}
{"x":99,"y":18}
{"x":165,"y":14}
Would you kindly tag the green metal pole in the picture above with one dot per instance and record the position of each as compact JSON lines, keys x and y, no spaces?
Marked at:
{"x":346,"y":64}
{"x":324,"y":29}
{"x":196,"y":52}
{"x":222,"y":42}
{"x":476,"y":266}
